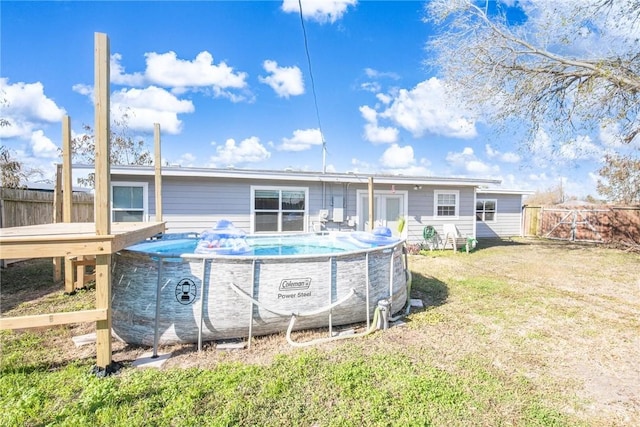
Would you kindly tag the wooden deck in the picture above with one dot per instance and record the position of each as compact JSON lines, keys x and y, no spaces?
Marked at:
{"x":73,"y":238}
{"x":101,"y":238}
{"x":77,"y":239}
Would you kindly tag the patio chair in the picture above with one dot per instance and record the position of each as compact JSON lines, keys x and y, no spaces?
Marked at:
{"x":452,"y":235}
{"x":431,"y":238}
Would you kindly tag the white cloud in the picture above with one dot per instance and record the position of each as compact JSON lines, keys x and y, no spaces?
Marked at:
{"x":374,"y":133}
{"x":247,"y":151}
{"x":467,"y":162}
{"x":361,"y":166}
{"x":384,"y":98}
{"x":609,"y":135}
{"x":118,"y":75}
{"x":26,"y":108}
{"x":83,"y":89}
{"x":375,"y":74}
{"x":285,"y":81}
{"x":398,"y":160}
{"x":397,"y":157}
{"x":168,"y":70}
{"x":507,"y":157}
{"x":186,"y":160}
{"x":42,"y":146}
{"x":429,"y":108}
{"x":377,"y":134}
{"x":372,"y":87}
{"x":144,"y":107}
{"x":321,"y":11}
{"x":538,"y":177}
{"x":541,"y":148}
{"x":303,"y":139}
{"x":369,"y":114}
{"x":582,"y":148}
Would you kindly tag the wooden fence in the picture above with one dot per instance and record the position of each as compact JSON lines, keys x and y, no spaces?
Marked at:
{"x":603,"y":224}
{"x":20,"y":207}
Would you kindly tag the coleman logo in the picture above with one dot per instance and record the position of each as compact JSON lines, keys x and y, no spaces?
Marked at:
{"x":295,"y":284}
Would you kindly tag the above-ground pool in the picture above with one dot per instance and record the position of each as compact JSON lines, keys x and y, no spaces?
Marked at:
{"x":165,"y":293}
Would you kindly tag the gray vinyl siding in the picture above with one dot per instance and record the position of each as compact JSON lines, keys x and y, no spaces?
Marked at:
{"x":508,"y":216}
{"x":421,"y":212}
{"x":194,"y":204}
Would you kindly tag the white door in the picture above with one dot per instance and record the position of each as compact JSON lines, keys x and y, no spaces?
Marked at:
{"x":387,"y":209}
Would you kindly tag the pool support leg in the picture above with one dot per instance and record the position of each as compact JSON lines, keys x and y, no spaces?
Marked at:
{"x":203,"y":278}
{"x":155,"y":322}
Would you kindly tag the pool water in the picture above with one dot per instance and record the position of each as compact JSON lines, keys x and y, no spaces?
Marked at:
{"x":262,"y":245}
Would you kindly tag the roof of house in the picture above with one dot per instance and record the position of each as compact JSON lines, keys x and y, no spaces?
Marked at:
{"x":47,"y":186}
{"x":504,"y":191}
{"x":289,"y":175}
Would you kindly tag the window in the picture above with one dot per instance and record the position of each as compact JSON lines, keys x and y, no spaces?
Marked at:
{"x":128,"y":201}
{"x":486,"y":210}
{"x":446,"y":203}
{"x":279,"y":209}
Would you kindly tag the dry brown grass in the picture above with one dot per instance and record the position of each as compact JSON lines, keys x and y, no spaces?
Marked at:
{"x":563,"y":317}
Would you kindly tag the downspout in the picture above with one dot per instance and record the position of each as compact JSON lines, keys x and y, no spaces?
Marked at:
{"x":475,"y":216}
{"x":324,"y":190}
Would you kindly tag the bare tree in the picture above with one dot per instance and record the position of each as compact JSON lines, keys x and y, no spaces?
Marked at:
{"x":10,"y":169}
{"x":572,"y":69}
{"x":124,"y":149}
{"x":551,"y":196}
{"x":13,"y":174}
{"x":620,"y":179}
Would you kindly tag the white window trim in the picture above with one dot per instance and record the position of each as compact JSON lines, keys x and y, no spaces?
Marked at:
{"x":435,"y":204}
{"x":279,"y":188}
{"x":495,"y":213}
{"x":145,"y":196}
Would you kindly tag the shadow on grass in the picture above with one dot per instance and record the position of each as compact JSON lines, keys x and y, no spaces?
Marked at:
{"x":430,"y":290}
{"x":26,"y":281}
{"x":486,"y":243}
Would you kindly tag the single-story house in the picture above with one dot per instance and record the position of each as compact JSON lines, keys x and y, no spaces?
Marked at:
{"x":499,"y":212}
{"x":268,"y":201}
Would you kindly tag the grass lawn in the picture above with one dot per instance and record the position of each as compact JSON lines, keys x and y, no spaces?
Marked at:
{"x":526,"y":332}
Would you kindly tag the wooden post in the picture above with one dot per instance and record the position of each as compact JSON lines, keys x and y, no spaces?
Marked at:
{"x":103,"y":301}
{"x":371,"y":204}
{"x":67,"y":197}
{"x":57,"y":217}
{"x":102,"y":131}
{"x":102,"y":196}
{"x":67,"y":188}
{"x":158,"y":171}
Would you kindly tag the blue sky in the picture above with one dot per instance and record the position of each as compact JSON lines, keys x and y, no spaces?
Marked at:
{"x":230,"y":84}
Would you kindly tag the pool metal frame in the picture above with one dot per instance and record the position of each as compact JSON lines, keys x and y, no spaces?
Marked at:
{"x":390,"y":300}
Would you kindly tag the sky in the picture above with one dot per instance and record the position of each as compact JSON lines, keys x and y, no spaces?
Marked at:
{"x":231,"y":85}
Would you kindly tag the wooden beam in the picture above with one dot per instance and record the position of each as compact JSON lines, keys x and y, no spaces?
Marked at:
{"x":158,"y":171}
{"x":57,"y":217}
{"x":68,"y":276}
{"x":67,"y":195}
{"x":67,"y":187}
{"x":102,"y":146}
{"x":123,"y":240}
{"x":103,"y":302}
{"x":102,"y":204}
{"x":39,"y":320}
